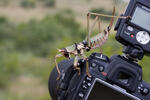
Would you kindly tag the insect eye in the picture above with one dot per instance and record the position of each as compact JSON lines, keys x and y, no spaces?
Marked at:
{"x":85,"y":43}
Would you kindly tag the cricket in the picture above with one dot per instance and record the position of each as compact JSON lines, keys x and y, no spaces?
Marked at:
{"x":78,"y":49}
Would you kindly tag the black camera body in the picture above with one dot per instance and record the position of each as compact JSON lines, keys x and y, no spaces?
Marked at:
{"x":115,"y":78}
{"x":118,"y":77}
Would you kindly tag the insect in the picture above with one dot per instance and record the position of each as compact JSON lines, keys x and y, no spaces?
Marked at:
{"x":78,"y":49}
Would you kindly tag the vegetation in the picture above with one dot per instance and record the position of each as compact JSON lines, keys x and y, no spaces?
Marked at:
{"x":33,"y":3}
{"x":28,"y":48}
{"x":4,"y":2}
{"x":28,"y":3}
{"x":49,"y":3}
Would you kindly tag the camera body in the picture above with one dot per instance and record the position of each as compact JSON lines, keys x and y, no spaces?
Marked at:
{"x":117,"y":77}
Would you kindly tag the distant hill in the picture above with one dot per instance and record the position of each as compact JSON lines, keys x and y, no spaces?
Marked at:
{"x":13,"y":8}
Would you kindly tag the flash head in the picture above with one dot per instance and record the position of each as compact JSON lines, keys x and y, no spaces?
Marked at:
{"x":135,"y":31}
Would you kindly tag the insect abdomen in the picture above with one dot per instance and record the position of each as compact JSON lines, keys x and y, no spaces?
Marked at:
{"x":98,"y":40}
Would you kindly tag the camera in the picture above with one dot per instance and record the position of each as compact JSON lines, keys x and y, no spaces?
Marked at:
{"x":118,"y":77}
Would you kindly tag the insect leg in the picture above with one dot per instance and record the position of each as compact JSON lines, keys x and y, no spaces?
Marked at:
{"x":88,"y":22}
{"x":112,"y":20}
{"x":57,"y":56}
{"x":90,"y":30}
{"x":87,"y":65}
{"x":99,"y":42}
{"x":76,"y":64}
{"x":99,"y":25}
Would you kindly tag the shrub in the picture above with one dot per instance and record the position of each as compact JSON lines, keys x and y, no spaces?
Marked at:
{"x":3,"y":19}
{"x":49,"y":3}
{"x":8,"y":66}
{"x":4,"y":2}
{"x":28,"y":3}
{"x":7,"y":29}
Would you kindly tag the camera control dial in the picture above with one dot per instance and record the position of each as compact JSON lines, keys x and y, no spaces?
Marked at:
{"x":143,"y":37}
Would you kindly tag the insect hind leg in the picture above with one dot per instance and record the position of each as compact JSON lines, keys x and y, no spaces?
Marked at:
{"x":87,"y":65}
{"x":76,"y":64}
{"x":59,"y":73}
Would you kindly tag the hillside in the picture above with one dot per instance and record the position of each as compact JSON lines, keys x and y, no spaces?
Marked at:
{"x":14,"y":11}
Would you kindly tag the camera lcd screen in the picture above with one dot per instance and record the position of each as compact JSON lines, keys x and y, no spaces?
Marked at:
{"x":141,"y":17}
{"x":106,"y":92}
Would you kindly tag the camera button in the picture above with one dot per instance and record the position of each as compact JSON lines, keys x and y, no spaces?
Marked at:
{"x":89,"y":84}
{"x":89,"y":79}
{"x":93,"y":65}
{"x":84,"y":82}
{"x":84,"y":86}
{"x":132,"y":36}
{"x":145,"y":91}
{"x":130,"y":28}
{"x":81,"y":94}
{"x":139,"y":88}
{"x":101,"y":68}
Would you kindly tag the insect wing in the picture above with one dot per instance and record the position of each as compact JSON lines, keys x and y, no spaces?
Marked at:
{"x":71,"y":48}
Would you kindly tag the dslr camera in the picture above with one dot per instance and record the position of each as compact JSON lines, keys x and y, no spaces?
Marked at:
{"x":116,"y":78}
